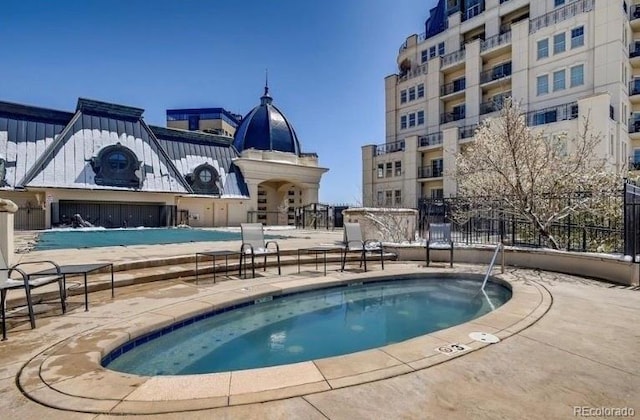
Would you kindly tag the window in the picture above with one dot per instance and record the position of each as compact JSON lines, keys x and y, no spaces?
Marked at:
{"x":577,"y":75}
{"x":558,"y":3}
{"x":403,"y":96}
{"x":636,"y":156}
{"x":380,"y":170}
{"x":203,"y":180}
{"x":577,"y":37}
{"x":441,"y":48}
{"x":403,"y":122}
{"x":432,"y":52}
{"x":412,"y":120}
{"x":558,"y":43}
{"x":117,"y":166}
{"x":398,"y":197}
{"x":389,"y":171}
{"x":424,"y":56}
{"x":437,"y":166}
{"x":543,"y":84}
{"x":458,"y":112}
{"x":412,"y":94}
{"x":543,"y":48}
{"x":558,"y":80}
{"x":380,"y":197}
{"x":437,"y":193}
{"x":420,"y":117}
{"x":205,"y":176}
{"x":398,"y":165}
{"x":194,"y":122}
{"x":421,"y":90}
{"x":388,"y":197}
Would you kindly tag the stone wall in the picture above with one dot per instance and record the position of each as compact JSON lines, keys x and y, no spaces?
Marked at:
{"x":386,"y":224}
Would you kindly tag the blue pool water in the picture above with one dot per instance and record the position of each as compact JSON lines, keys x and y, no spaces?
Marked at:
{"x":307,"y":326}
{"x":114,"y":237}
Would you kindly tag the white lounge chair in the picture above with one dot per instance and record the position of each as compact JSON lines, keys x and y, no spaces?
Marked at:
{"x":353,"y":242}
{"x":253,"y":244}
{"x":439,"y":237}
{"x":27,"y":283}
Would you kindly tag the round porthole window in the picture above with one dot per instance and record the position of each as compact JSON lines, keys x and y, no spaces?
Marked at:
{"x":117,"y":161}
{"x":205,"y":175}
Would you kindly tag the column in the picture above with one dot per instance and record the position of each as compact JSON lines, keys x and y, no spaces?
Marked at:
{"x":7,"y":209}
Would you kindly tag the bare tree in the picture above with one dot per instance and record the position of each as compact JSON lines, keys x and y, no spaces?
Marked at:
{"x":392,"y":224}
{"x":540,"y":178}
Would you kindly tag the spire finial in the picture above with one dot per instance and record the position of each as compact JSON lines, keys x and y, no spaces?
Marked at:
{"x":266,"y":81}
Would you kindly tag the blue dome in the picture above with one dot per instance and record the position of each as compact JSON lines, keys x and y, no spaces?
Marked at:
{"x":266,"y":128}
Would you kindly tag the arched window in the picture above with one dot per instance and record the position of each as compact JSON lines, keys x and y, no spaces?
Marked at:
{"x":204,"y":179}
{"x":117,"y":166}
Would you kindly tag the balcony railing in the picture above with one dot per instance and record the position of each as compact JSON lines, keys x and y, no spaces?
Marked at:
{"x":473,"y":11}
{"x":453,"y":87}
{"x":414,"y":72}
{"x":634,"y":49}
{"x":467,"y":131}
{"x":634,"y":165}
{"x":452,"y":58}
{"x":634,"y":125}
{"x":495,"y":41}
{"x":560,"y":14}
{"x":634,"y":87}
{"x":634,"y":12}
{"x":490,"y":106}
{"x":432,"y":139}
{"x":496,"y":73}
{"x":383,"y":149}
{"x":553,"y":114}
{"x":447,"y":117}
{"x":429,"y":171}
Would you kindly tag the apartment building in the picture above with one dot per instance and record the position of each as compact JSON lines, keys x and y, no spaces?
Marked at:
{"x":562,"y":60}
{"x":216,"y":121}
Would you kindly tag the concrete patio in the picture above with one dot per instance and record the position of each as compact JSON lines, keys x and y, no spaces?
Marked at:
{"x":578,"y":347}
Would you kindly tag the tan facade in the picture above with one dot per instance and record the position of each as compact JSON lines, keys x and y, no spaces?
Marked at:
{"x":213,"y":126}
{"x":561,"y":63}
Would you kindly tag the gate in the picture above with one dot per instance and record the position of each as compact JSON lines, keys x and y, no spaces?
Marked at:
{"x":27,"y":218}
{"x":632,"y":220}
{"x":114,"y":214}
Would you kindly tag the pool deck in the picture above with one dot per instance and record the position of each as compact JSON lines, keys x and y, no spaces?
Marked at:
{"x":566,"y":342}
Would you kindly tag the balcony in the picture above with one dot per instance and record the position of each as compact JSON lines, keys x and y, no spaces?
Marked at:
{"x":491,"y":43}
{"x":467,"y":131}
{"x":451,"y":59}
{"x":473,"y":11}
{"x":414,"y":72}
{"x":553,"y":114}
{"x":634,"y":125}
{"x":489,"y":107}
{"x":634,"y":16}
{"x":383,"y":149}
{"x":430,"y":171}
{"x":560,"y":14}
{"x":432,"y":139}
{"x":447,"y":117}
{"x":496,"y":73}
{"x":634,"y":165}
{"x":457,"y":85}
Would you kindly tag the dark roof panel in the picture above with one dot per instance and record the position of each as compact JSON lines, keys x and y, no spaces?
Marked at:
{"x":90,"y":106}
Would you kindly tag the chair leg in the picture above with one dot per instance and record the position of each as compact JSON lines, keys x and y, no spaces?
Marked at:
{"x":364,"y":258}
{"x":3,"y":298}
{"x":63,"y":299}
{"x":279,"y":271}
{"x":382,"y":257}
{"x":427,"y":255}
{"x":264,"y":267}
{"x":451,"y":258}
{"x":253,"y":265}
{"x":344,"y":259}
{"x":32,"y":318}
{"x":240,"y":266}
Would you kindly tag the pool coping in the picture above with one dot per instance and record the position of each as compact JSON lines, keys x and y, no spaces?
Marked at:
{"x":68,"y":375}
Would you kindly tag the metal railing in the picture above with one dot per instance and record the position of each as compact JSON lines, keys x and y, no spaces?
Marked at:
{"x":634,"y":12}
{"x":453,"y":87}
{"x":634,"y":49}
{"x":492,"y":263}
{"x":495,"y":41}
{"x":549,"y":115}
{"x":429,"y":171}
{"x":560,"y":14}
{"x":447,"y":117}
{"x":473,"y":11}
{"x":452,"y":58}
{"x":392,"y":147}
{"x":634,"y":165}
{"x":432,"y":139}
{"x":467,"y":131}
{"x":496,"y":73}
{"x":490,"y":106}
{"x":414,"y":72}
{"x":634,"y":87}
{"x":634,"y":126}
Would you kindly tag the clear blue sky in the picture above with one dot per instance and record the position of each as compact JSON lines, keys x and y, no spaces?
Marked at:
{"x":327,"y":60}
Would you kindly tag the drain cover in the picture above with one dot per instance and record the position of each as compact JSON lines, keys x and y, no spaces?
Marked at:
{"x":484,"y":337}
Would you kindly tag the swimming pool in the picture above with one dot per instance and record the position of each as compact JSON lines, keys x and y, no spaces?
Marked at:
{"x":92,"y":238}
{"x":306,"y":326}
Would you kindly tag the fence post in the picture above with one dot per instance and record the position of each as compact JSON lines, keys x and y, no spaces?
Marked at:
{"x":513,"y":230}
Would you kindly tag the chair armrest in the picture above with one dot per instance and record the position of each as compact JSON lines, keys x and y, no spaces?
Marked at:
{"x":56,"y":266}
{"x":266,"y":245}
{"x":24,"y":275}
{"x":243,"y":246}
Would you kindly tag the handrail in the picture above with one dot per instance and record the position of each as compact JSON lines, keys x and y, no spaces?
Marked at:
{"x":493,"y":261}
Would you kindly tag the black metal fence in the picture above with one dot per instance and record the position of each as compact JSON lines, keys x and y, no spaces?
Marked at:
{"x":632,"y":220}
{"x":29,"y":218}
{"x":582,"y":232}
{"x":320,"y":216}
